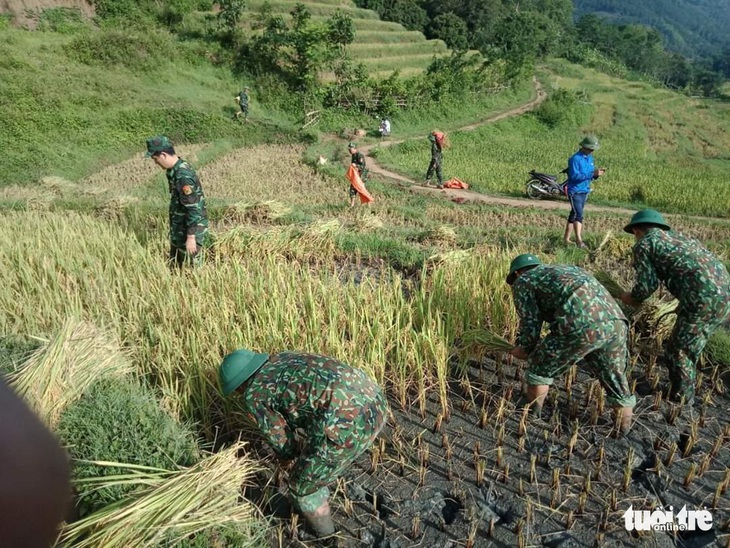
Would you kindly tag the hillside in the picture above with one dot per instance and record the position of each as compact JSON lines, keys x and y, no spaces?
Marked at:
{"x":692,"y":27}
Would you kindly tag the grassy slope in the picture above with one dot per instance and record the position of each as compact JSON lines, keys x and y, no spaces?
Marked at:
{"x":662,"y":149}
{"x":65,"y":118}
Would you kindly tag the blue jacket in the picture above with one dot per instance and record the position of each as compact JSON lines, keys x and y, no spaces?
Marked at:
{"x":580,"y":173}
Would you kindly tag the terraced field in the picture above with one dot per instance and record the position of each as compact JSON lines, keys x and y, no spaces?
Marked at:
{"x":383,"y":47}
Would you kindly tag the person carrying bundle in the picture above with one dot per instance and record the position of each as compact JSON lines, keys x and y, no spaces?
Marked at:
{"x":438,"y":143}
{"x":698,"y":280}
{"x":586,"y":326}
{"x":340,"y":409}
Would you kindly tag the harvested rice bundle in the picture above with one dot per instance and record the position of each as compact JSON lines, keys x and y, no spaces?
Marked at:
{"x":485,"y":341}
{"x":609,"y":283}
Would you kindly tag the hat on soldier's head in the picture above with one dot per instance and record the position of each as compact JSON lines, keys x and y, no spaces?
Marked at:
{"x":237,"y":367}
{"x":520,"y":262}
{"x":646,"y":217}
{"x":157,"y":144}
{"x":352,"y":144}
{"x":590,"y":142}
{"x":431,"y":137}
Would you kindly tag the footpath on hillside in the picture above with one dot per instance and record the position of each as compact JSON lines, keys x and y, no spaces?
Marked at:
{"x":464,"y":196}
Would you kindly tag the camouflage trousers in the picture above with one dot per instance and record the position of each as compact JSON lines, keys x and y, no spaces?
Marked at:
{"x":179,"y":256}
{"x":689,"y":337}
{"x":324,"y":460}
{"x":435,"y":166}
{"x":602,"y":349}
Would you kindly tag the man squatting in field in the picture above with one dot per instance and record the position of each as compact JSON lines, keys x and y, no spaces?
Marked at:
{"x":586,"y":325}
{"x":340,"y":409}
{"x":357,"y":159}
{"x":188,"y":216}
{"x":698,"y":280}
{"x":581,"y":171}
{"x":436,"y":161}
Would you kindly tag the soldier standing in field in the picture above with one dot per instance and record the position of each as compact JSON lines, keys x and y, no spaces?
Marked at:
{"x":188,"y":216}
{"x":436,"y":160}
{"x":357,"y":159}
{"x":242,"y":100}
{"x":586,"y":325}
{"x":698,"y":280}
{"x":340,"y":409}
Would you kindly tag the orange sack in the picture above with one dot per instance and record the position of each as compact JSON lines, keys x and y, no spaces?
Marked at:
{"x":455,"y":183}
{"x":354,"y":178}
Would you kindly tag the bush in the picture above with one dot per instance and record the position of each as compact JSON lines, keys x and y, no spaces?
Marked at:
{"x":61,"y":20}
{"x":562,"y":106}
{"x":121,"y":421}
{"x":111,"y":47}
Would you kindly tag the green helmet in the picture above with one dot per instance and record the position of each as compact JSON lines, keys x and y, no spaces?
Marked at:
{"x":352,"y":144}
{"x":647,"y":217}
{"x":237,"y":367}
{"x":520,"y":262}
{"x":590,"y":142}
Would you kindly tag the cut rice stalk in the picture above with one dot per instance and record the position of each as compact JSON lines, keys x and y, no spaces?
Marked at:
{"x":57,"y":374}
{"x":170,"y":506}
{"x":609,"y":283}
{"x":485,"y":341}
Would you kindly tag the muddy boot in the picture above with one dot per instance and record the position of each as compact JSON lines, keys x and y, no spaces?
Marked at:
{"x":323,"y":526}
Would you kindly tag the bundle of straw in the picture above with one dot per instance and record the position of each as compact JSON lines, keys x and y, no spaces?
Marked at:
{"x":485,"y":341}
{"x":58,"y":373}
{"x":170,"y":506}
{"x":609,"y":283}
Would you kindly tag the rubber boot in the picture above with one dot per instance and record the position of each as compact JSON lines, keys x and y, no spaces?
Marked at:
{"x":323,"y":526}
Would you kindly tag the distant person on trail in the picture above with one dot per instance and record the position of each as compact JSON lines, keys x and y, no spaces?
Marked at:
{"x":188,"y":216}
{"x":581,"y":171}
{"x":357,"y":159}
{"x":437,"y":146}
{"x":339,"y":408}
{"x":698,"y":280}
{"x":586,"y":326}
{"x":384,"y":128}
{"x":242,"y":100}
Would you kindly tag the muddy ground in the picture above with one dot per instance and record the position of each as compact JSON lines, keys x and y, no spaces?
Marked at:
{"x":485,"y":477}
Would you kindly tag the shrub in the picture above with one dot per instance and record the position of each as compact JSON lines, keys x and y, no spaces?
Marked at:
{"x":562,"y":106}
{"x":121,"y":421}
{"x":132,"y":49}
{"x":61,"y":20}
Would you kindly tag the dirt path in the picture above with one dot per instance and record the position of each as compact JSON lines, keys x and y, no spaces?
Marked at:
{"x":464,"y":196}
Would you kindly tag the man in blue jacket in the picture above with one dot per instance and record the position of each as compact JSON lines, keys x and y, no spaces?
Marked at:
{"x":581,"y":171}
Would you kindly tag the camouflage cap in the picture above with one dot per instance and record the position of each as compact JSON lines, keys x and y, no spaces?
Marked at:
{"x":157,"y":144}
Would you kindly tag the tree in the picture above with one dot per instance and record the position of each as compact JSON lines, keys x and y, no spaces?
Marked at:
{"x":230,"y":14}
{"x":451,"y":29}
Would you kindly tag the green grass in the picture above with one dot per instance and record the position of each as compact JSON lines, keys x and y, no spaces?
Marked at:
{"x":378,"y":49}
{"x":315,"y":8}
{"x":661,"y":149}
{"x":66,"y":118}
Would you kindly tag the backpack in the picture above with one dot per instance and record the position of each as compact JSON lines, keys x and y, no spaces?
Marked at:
{"x":441,"y":139}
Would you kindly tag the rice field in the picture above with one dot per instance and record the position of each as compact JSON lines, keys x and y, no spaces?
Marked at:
{"x":662,"y":149}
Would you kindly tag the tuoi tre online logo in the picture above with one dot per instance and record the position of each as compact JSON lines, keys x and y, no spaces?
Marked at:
{"x":665,"y":520}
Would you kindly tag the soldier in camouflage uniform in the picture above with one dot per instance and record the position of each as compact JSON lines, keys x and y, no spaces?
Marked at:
{"x":436,"y":161}
{"x":340,"y":409}
{"x":242,"y":100}
{"x":698,"y":280}
{"x":188,"y":216}
{"x":586,"y":325}
{"x":357,"y":159}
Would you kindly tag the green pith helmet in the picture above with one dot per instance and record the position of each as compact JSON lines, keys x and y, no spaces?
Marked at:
{"x":352,"y":144}
{"x":237,"y":367}
{"x":520,"y":262}
{"x":432,"y":138}
{"x":590,"y":142}
{"x":647,"y":217}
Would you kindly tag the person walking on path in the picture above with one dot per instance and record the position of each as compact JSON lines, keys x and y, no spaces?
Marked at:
{"x":242,"y":100}
{"x":357,"y":160}
{"x":581,"y":171}
{"x":696,"y":277}
{"x":436,"y":160}
{"x":586,"y":326}
{"x":187,"y":213}
{"x":340,"y":409}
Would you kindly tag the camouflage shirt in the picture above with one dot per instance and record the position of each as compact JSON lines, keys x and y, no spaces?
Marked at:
{"x":359,"y":160}
{"x":691,"y":273}
{"x":435,"y":152}
{"x":324,"y":397}
{"x":243,"y":99}
{"x":568,"y":298}
{"x":187,"y":204}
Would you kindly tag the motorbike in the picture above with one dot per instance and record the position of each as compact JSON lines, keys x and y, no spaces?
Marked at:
{"x":544,"y":185}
